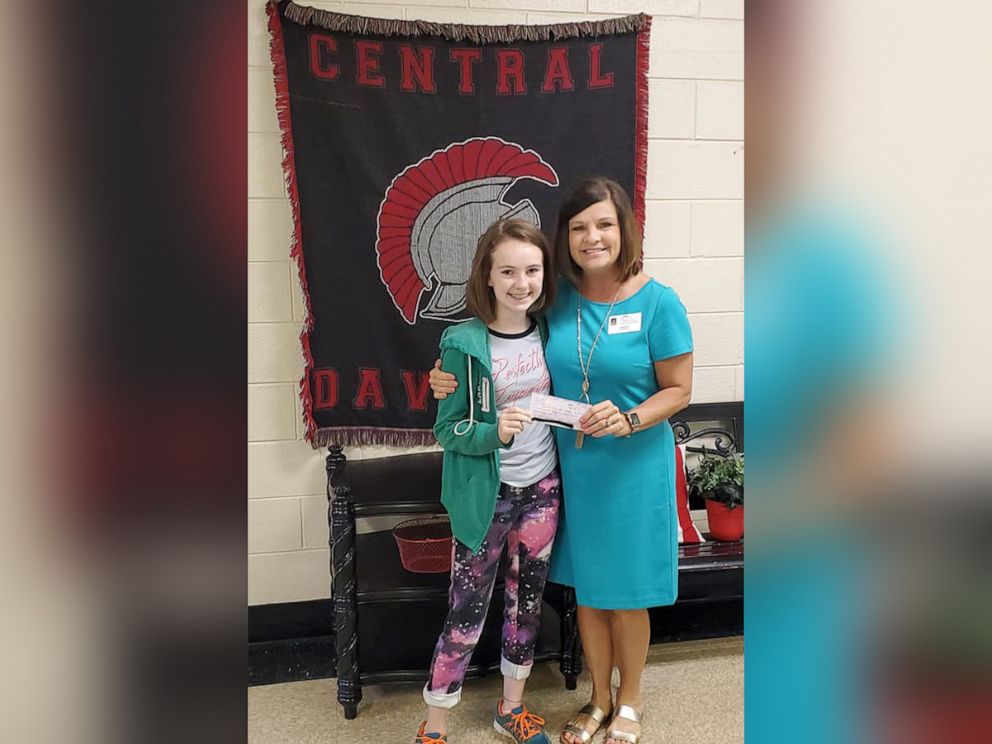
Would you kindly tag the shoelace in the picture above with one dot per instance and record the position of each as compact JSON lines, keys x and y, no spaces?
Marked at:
{"x":525,"y":723}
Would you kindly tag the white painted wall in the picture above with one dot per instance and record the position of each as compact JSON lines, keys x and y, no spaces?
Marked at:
{"x":694,"y":242}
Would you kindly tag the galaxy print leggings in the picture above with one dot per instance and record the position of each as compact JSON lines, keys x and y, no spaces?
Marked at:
{"x":525,"y":521}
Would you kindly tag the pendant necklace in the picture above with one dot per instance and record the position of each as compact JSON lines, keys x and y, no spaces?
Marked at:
{"x":584,"y":364}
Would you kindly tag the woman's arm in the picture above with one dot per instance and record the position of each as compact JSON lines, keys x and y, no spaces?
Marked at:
{"x":442,"y":383}
{"x":674,"y":378}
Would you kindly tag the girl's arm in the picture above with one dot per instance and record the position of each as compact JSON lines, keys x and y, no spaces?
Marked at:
{"x":452,"y":427}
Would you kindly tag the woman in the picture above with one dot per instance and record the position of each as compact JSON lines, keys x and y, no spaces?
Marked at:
{"x":621,"y":341}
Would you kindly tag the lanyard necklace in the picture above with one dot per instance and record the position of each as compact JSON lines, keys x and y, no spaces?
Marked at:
{"x":585,"y":364}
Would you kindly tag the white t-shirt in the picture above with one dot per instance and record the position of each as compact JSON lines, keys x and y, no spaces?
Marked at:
{"x":518,"y":370}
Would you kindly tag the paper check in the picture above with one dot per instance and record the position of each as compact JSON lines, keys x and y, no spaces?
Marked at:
{"x":547,"y":409}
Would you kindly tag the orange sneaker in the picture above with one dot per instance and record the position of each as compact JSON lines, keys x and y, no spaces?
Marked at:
{"x":521,"y":725}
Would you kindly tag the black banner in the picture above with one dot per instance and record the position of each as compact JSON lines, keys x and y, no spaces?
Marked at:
{"x":403,"y":141}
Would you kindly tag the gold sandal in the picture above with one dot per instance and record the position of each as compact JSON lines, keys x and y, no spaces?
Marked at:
{"x":575,"y":727}
{"x":628,"y":714}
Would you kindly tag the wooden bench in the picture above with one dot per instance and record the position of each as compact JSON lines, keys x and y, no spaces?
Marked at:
{"x":386,"y":619}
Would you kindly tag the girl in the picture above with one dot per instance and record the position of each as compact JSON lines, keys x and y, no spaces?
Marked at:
{"x":499,"y":481}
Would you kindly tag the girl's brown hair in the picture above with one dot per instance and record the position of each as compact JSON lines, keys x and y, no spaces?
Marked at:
{"x":479,"y":295}
{"x":583,"y":195}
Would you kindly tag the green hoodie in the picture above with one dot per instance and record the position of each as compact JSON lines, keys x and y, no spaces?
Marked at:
{"x":466,"y":428}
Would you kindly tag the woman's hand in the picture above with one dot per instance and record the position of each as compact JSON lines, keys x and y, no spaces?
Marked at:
{"x":511,"y":423}
{"x":442,"y":383}
{"x":604,"y":419}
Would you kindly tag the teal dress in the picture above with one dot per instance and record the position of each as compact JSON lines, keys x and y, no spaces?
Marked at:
{"x":617,"y":538}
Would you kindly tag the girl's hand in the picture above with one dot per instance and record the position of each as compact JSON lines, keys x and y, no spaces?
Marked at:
{"x":442,"y":383}
{"x":604,"y":419}
{"x":511,"y":423}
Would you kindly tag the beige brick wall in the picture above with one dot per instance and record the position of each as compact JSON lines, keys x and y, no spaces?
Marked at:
{"x":693,"y":239}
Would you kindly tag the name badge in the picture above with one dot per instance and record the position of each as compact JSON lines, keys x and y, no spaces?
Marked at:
{"x":627,"y":323}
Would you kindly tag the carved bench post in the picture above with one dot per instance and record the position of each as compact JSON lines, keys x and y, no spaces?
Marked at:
{"x":334,"y":468}
{"x":341,"y":515}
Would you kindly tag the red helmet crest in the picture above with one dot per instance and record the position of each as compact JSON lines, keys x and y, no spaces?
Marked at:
{"x":434,"y":211}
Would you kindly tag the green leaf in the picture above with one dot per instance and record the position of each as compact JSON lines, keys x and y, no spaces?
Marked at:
{"x":719,"y":478}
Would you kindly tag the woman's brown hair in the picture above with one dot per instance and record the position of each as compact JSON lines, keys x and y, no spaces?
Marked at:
{"x":479,"y":295}
{"x":584,"y":194}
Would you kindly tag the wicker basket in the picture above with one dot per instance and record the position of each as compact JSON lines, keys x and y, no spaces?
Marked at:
{"x":425,"y":544}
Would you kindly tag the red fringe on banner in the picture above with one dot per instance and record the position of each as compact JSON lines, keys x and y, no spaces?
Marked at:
{"x":477,"y":34}
{"x":641,"y":131}
{"x":278,"y":53}
{"x":366,"y":435}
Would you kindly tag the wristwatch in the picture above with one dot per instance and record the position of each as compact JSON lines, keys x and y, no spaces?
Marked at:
{"x":633,"y":420}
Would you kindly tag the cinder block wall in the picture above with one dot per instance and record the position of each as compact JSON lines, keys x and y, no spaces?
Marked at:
{"x":693,"y":238}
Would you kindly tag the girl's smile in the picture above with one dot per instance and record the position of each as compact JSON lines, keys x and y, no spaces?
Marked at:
{"x":516,"y":278}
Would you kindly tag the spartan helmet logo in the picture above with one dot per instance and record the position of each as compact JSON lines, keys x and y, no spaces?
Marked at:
{"x":432,"y":216}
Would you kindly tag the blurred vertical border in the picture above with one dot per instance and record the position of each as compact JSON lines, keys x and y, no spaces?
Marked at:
{"x":124,"y":324}
{"x":868,"y":582}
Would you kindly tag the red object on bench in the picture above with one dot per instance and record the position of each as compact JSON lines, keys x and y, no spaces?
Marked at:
{"x":425,"y":544}
{"x":688,"y":532}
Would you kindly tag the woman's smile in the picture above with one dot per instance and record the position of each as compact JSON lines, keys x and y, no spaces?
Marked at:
{"x":594,"y":236}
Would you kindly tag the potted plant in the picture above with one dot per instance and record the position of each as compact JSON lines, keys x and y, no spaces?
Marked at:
{"x":719,"y":479}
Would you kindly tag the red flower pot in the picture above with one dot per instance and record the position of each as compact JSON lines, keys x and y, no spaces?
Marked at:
{"x":725,"y":524}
